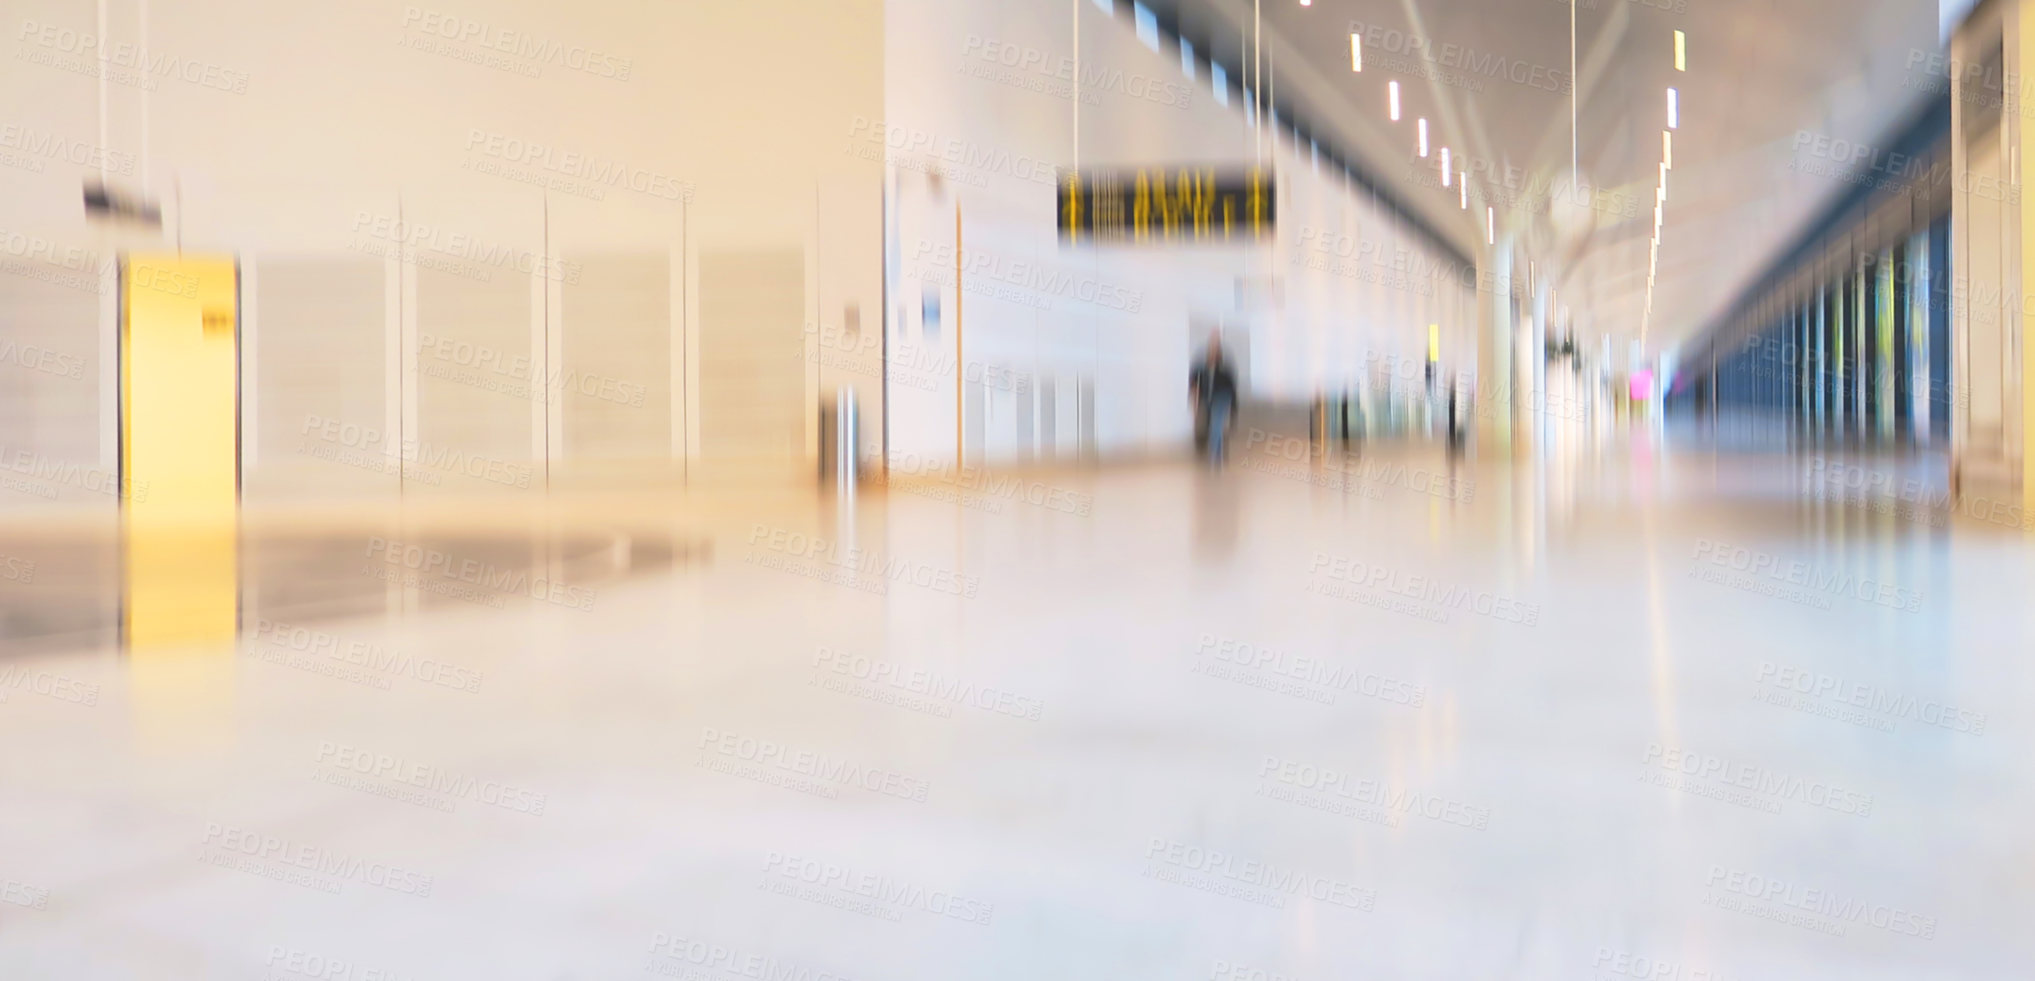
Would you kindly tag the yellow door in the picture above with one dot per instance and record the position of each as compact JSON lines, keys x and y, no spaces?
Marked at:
{"x":180,"y":448}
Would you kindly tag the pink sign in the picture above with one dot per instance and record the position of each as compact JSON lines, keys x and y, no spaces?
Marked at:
{"x":1642,"y":385}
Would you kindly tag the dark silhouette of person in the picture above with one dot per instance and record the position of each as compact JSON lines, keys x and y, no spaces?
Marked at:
{"x":1213,"y":387}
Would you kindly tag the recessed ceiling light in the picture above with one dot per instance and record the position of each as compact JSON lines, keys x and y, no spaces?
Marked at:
{"x":1392,"y":98}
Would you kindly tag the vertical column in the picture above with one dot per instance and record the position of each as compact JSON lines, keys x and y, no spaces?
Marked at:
{"x":1804,"y":350}
{"x":2020,"y":264}
{"x":1940,"y":382}
{"x":1791,"y":340}
{"x":1868,"y":347}
{"x":1783,"y":331}
{"x":1534,"y":373}
{"x":1779,"y":354}
{"x":1895,"y":334}
{"x":1770,"y":364}
{"x":1989,"y":253}
{"x":1847,"y":356}
{"x":1791,"y":389}
{"x":1494,"y":348}
{"x":1826,"y":359}
{"x":1918,"y":336}
{"x":1941,"y":391}
{"x":1822,"y":359}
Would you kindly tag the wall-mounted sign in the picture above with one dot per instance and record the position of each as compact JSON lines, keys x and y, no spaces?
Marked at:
{"x":1157,"y":205}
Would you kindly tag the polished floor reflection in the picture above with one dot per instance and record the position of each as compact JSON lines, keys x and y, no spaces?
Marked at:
{"x":1635,"y":712}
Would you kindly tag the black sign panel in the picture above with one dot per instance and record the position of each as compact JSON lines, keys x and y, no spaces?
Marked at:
{"x":1160,"y":205}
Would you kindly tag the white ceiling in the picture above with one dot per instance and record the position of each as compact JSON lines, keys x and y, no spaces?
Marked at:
{"x":1760,"y":72}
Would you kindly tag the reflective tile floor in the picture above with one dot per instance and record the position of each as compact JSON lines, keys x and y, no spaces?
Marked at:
{"x":1652,"y":714}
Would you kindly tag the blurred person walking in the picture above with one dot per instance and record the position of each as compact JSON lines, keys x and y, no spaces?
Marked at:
{"x":1455,"y":434}
{"x":1212,"y":386}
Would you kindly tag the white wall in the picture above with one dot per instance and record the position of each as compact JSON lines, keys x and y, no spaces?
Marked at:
{"x":980,"y":93}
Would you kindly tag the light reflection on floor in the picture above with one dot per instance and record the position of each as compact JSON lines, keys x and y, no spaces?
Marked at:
{"x":1726,"y":712}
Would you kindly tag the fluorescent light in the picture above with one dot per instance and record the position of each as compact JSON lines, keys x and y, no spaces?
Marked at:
{"x":1463,"y":188}
{"x":1667,"y":149}
{"x":1392,"y":98}
{"x":1356,"y":52}
{"x":1423,"y":136}
{"x":1490,"y":226}
{"x":1674,"y":112}
{"x":1187,"y":58}
{"x":1446,"y":174}
{"x":1681,"y":52}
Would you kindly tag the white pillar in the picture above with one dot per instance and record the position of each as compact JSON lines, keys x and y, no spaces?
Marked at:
{"x":1494,"y":348}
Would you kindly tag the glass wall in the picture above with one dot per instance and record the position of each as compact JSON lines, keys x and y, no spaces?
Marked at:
{"x":1860,"y":353}
{"x":1848,"y":336}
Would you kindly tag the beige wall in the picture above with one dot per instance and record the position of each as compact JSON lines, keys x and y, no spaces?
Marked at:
{"x":296,"y":134}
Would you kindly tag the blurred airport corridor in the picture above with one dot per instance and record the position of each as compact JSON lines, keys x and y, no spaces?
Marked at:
{"x":1245,"y":490}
